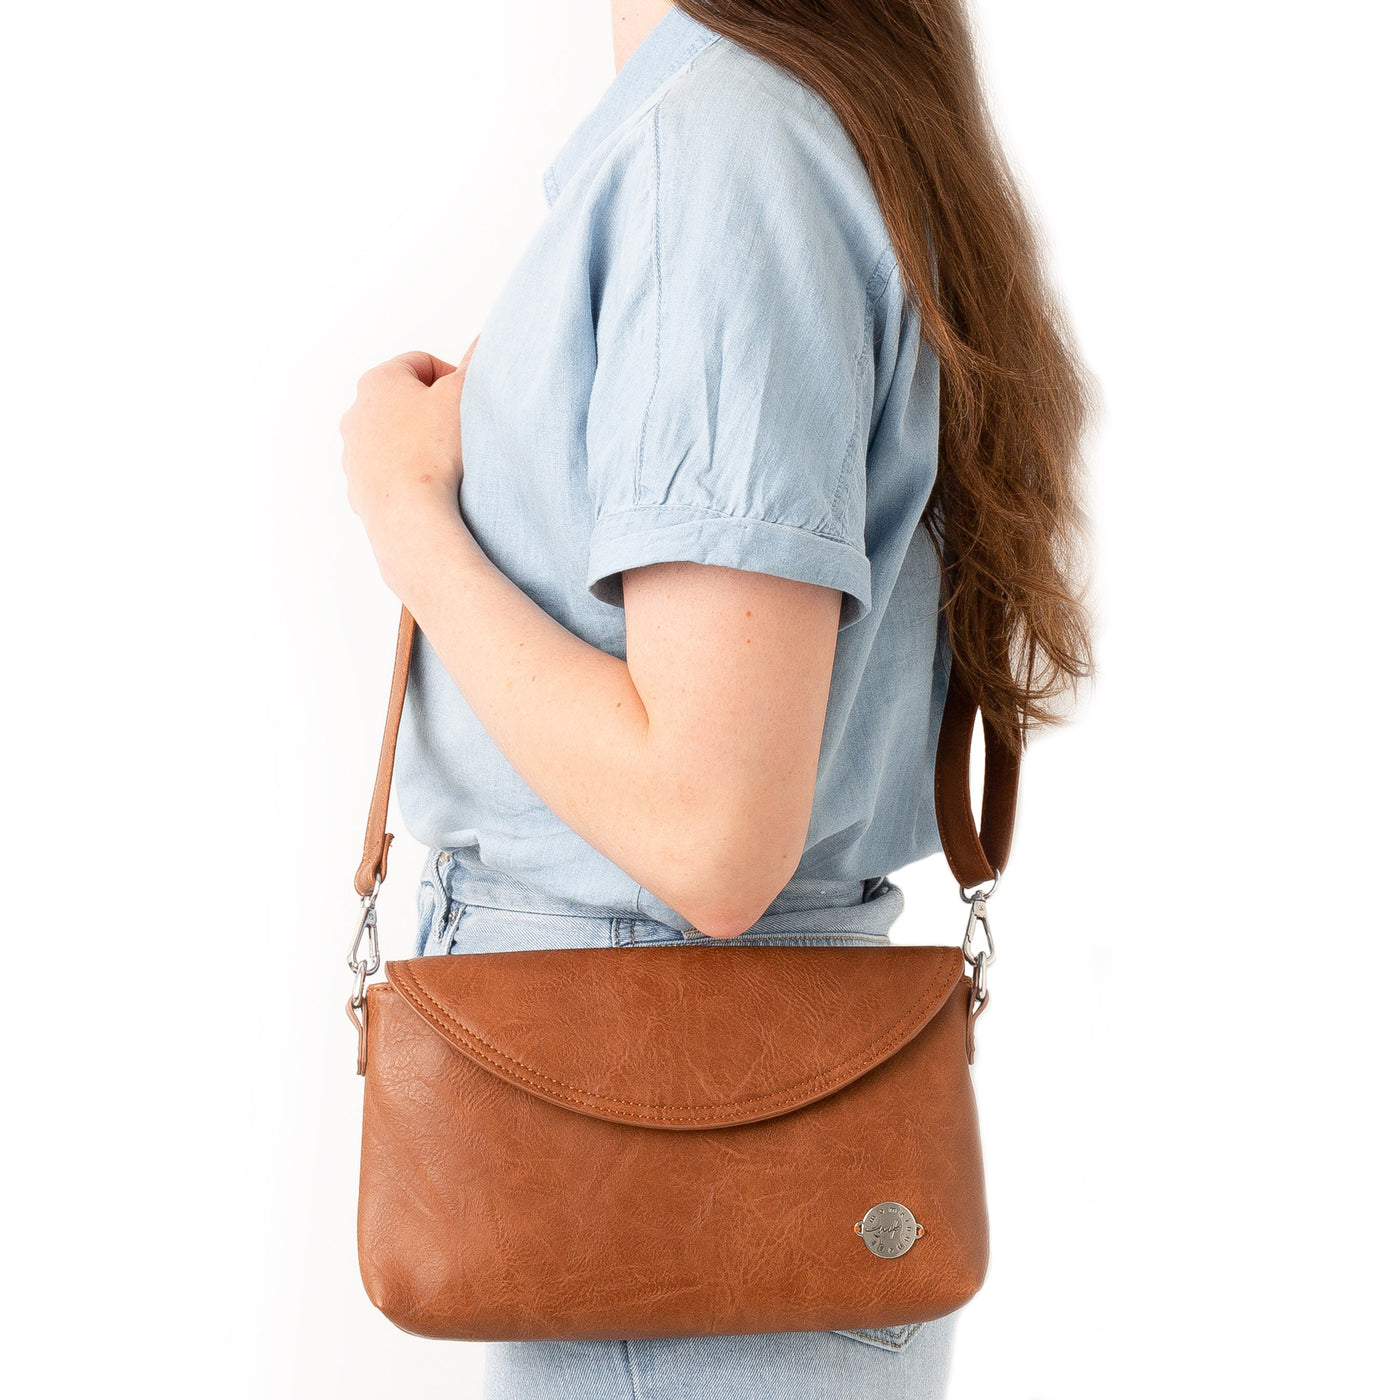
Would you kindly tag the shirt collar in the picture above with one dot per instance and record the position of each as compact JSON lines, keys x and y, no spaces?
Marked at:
{"x":671,"y":42}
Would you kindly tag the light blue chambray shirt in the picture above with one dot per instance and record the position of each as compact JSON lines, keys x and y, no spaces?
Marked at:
{"x":704,"y":353}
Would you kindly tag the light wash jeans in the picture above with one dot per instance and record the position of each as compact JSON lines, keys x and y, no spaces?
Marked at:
{"x":464,"y":907}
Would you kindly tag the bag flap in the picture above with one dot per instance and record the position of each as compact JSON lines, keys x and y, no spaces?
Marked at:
{"x":681,"y":1035}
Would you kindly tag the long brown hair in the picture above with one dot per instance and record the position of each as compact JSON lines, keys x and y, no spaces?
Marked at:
{"x":1005,"y":512}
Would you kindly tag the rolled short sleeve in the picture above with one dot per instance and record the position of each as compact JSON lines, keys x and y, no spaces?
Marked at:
{"x":730,"y":414}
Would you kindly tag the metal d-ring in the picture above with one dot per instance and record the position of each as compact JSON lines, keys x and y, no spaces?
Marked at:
{"x":981,"y":893}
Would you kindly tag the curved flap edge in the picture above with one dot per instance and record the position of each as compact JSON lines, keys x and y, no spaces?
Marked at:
{"x":604,"y":1031}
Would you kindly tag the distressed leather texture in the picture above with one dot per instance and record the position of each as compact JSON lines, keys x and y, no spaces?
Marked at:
{"x":667,"y":1141}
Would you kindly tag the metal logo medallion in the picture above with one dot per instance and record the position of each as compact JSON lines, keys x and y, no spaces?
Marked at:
{"x":889,"y":1229}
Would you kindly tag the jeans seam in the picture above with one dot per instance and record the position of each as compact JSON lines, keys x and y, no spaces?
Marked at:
{"x":455,"y":909}
{"x":429,"y":935}
{"x":580,"y":913}
{"x":895,"y":1338}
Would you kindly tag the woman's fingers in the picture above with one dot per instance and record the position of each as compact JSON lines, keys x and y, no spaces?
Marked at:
{"x":425,"y":368}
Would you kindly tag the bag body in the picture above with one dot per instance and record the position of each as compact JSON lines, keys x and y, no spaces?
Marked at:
{"x":665,"y":1141}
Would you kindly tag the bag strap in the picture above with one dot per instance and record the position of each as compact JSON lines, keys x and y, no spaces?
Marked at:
{"x":975,"y":856}
{"x":374,"y":864}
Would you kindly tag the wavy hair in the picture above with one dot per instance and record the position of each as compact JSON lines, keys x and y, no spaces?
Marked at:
{"x":1005,"y":513}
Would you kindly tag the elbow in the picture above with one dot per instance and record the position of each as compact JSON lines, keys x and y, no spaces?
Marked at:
{"x":733,"y":895}
{"x":723,"y":923}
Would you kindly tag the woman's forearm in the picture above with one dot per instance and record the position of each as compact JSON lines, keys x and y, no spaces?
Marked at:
{"x":571,"y":722}
{"x":701,"y":794}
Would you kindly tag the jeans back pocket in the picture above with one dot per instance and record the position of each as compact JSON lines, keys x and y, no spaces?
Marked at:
{"x":887,"y":1338}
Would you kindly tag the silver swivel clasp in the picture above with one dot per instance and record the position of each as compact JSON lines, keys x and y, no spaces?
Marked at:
{"x":979,"y":959}
{"x":364,"y":966}
{"x":368,"y":927}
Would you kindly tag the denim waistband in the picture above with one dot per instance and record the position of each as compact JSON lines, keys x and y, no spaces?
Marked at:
{"x":868,"y":905}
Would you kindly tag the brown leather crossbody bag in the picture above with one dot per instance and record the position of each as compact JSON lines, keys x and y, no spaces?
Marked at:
{"x":678,"y":1140}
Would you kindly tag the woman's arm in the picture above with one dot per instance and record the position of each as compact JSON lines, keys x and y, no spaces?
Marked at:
{"x":691,"y":765}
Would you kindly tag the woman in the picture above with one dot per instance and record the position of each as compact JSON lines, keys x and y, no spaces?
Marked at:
{"x":679,"y":575}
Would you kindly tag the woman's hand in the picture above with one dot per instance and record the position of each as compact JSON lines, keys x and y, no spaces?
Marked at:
{"x":403,"y":453}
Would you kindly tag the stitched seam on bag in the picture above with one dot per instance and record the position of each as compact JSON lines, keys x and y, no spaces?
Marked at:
{"x":799,"y":1093}
{"x":778,"y":1098}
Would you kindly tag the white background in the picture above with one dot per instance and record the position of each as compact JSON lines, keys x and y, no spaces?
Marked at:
{"x":219,"y":215}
